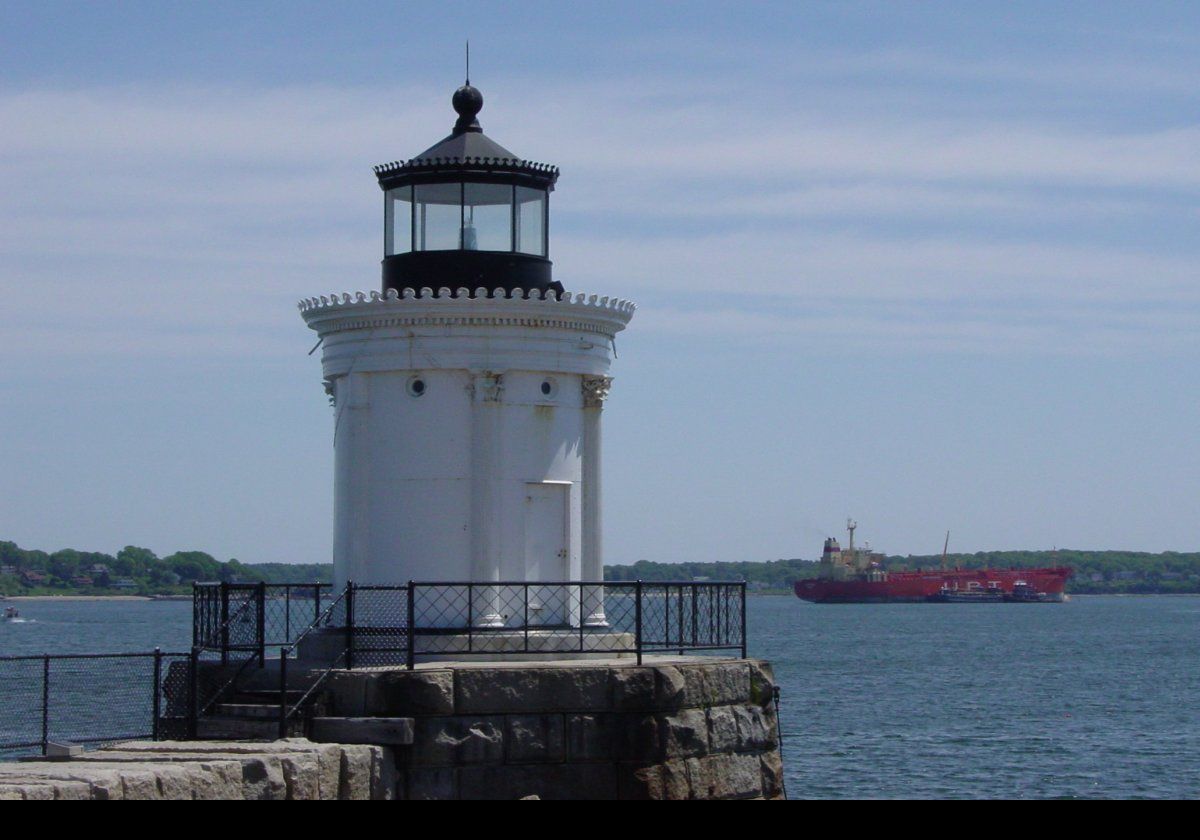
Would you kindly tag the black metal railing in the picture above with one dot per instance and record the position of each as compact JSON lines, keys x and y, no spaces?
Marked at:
{"x":241,"y":623}
{"x":90,"y":699}
{"x":402,"y":624}
{"x":252,"y":617}
{"x":339,"y":614}
{"x":95,"y":699}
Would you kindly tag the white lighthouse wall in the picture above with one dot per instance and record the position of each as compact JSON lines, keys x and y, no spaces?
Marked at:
{"x":402,"y":495}
{"x":403,"y":498}
{"x":541,"y":442}
{"x":480,"y":476}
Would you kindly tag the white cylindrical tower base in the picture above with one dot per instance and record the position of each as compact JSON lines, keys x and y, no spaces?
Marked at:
{"x":467,"y":439}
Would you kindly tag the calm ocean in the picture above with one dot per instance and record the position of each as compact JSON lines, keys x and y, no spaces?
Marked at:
{"x":1095,"y":698}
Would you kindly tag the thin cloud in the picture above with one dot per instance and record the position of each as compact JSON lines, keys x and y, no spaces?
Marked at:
{"x":184,"y":199}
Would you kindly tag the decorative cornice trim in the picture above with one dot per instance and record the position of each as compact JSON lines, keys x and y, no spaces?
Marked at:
{"x":448,"y":297}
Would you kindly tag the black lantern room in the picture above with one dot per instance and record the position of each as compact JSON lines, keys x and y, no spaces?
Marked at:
{"x":467,"y":213}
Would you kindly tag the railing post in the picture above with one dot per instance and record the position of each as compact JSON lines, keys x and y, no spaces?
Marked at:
{"x":317,"y":610}
{"x":224,"y":623}
{"x":679,"y":617}
{"x":525,"y":617}
{"x":350,"y":625}
{"x":695,"y":613}
{"x":283,"y":705}
{"x":287,"y":612}
{"x":637,"y":614}
{"x":193,"y":714}
{"x":411,"y":620}
{"x":743,"y":600}
{"x":157,"y":704}
{"x":45,"y":701}
{"x":260,"y":623}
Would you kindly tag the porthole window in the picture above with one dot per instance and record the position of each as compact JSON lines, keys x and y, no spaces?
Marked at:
{"x":548,"y":388}
{"x":416,"y":386}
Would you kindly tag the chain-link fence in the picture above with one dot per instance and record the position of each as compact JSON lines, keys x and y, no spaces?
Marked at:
{"x":398,"y":625}
{"x":254,"y":617}
{"x":89,"y":699}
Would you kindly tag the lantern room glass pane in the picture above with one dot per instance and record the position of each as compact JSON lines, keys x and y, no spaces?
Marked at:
{"x":487,"y":217}
{"x":531,"y":221}
{"x":397,"y":227}
{"x":438,"y":217}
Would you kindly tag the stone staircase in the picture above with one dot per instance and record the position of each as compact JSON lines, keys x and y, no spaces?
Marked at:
{"x":252,"y":714}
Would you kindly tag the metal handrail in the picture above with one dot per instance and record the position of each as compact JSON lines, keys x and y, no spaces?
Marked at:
{"x":642,"y":616}
{"x":285,"y":713}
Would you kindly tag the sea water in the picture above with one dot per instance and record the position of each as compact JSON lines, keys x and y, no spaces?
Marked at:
{"x":1099,"y":697}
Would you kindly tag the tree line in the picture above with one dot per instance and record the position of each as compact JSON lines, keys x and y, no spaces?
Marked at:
{"x":134,"y":571}
{"x":1095,"y":572}
{"x":139,"y":571}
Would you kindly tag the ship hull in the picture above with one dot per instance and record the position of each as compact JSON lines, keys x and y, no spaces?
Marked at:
{"x":923,"y":587}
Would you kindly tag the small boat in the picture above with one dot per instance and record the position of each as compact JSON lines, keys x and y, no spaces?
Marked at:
{"x":946,"y":595}
{"x":12,"y":614}
{"x":1023,"y":593}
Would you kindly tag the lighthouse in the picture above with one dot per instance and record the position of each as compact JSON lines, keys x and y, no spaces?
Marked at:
{"x":467,"y":392}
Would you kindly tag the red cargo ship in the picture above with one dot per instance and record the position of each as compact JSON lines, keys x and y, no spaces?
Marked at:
{"x":857,"y":576}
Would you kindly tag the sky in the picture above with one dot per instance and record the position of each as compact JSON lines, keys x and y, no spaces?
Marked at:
{"x":935,"y":266}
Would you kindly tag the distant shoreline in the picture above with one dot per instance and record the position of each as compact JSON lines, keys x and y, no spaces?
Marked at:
{"x":94,"y":598}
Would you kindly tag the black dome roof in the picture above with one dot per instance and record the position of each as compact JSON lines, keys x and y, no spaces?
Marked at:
{"x":467,"y":151}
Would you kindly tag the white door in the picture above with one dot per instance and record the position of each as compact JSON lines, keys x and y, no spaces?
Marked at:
{"x":546,"y":550}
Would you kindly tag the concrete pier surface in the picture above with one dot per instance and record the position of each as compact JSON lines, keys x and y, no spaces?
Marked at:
{"x":674,"y":727}
{"x":290,"y":769}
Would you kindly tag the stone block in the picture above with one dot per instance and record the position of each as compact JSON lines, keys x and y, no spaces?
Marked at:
{"x":762,"y":683}
{"x":684,"y":733}
{"x":218,"y":780}
{"x":534,"y":738}
{"x":677,"y":778}
{"x":358,"y":772}
{"x":729,"y":776}
{"x":262,"y":779}
{"x":722,"y":729}
{"x":176,"y":781}
{"x":431,"y":783}
{"x":591,"y":737}
{"x":579,"y":688}
{"x":716,"y":684}
{"x":460,"y":739}
{"x":772,"y":774}
{"x":639,"y":781}
{"x":670,"y":691}
{"x":363,"y":730}
{"x":639,"y":738}
{"x":139,"y":784}
{"x":384,"y":776}
{"x":28,"y":792}
{"x":302,"y":776}
{"x":633,"y":688}
{"x":329,"y":771}
{"x":404,"y":693}
{"x":756,"y":728}
{"x":546,"y":781}
{"x":347,"y":693}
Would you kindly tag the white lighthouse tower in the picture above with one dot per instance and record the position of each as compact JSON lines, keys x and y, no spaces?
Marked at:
{"x":468,"y":392}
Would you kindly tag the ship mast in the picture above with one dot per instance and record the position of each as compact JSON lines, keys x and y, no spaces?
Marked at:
{"x":945,"y":548}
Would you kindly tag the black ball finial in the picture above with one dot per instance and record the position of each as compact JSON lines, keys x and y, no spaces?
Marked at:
{"x":468,"y":102}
